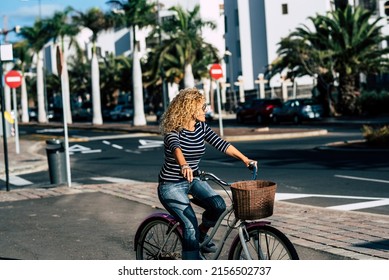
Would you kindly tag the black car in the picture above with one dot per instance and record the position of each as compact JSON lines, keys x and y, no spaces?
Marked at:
{"x":258,"y":110}
{"x":298,"y":110}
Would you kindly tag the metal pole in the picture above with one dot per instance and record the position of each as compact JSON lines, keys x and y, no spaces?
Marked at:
{"x":4,"y":128}
{"x":232,"y":84}
{"x":17,"y":146}
{"x":219,"y":108}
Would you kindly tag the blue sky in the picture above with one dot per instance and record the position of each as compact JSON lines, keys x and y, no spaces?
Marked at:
{"x":24,"y":12}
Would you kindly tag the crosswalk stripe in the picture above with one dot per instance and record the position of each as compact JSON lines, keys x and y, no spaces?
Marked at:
{"x":362,"y":179}
{"x":17,"y":181}
{"x":360,"y":205}
{"x":114,"y":180}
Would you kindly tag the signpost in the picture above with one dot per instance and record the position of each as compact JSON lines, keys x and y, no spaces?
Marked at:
{"x":6,"y":54}
{"x":13,"y":79}
{"x":59,"y":57}
{"x":216,"y":72}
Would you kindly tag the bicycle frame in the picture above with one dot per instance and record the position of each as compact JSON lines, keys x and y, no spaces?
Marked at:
{"x":242,"y":226}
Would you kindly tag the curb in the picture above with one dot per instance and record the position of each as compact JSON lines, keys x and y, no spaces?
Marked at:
{"x":270,"y":136}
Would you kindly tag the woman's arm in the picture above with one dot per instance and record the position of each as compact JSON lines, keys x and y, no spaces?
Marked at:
{"x":234,"y":152}
{"x":186,"y":171}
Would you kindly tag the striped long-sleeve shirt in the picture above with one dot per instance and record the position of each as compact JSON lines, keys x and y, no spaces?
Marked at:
{"x":192,"y":144}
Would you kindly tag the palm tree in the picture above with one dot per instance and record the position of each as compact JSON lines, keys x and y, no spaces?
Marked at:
{"x":23,"y":61}
{"x":58,"y":27}
{"x":185,"y":30}
{"x":170,"y":59}
{"x":342,"y":45}
{"x":114,"y":77}
{"x":135,"y":14}
{"x":96,"y":21}
{"x":36,"y":37}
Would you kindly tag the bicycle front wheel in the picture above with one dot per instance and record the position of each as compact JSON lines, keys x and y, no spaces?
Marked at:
{"x":159,"y":241}
{"x":264,"y":243}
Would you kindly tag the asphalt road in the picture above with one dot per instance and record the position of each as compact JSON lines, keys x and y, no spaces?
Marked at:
{"x":354,"y":180}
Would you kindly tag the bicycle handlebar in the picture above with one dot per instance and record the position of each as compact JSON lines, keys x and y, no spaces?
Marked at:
{"x":207,"y":175}
{"x":252,"y":166}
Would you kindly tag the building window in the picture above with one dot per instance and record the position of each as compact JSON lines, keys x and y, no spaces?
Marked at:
{"x":370,"y":5}
{"x":284,"y":9}
{"x":236,"y":18}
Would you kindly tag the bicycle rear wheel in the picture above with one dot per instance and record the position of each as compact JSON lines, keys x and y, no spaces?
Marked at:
{"x":158,"y":241}
{"x":264,"y":243}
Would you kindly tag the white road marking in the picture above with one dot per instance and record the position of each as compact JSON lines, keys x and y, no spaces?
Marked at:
{"x":147,"y":144}
{"x":133,"y":151}
{"x":285,"y":196}
{"x":123,"y":136}
{"x":112,"y":145}
{"x":48,"y":130}
{"x":17,"y":181}
{"x":117,"y":147}
{"x":82,"y":149}
{"x":361,"y":205}
{"x":362,"y":179}
{"x":374,"y":201}
{"x":114,"y":180}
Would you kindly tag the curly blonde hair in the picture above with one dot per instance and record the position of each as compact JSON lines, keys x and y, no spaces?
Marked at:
{"x":181,"y":110}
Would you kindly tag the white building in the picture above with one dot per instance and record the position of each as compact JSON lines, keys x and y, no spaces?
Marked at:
{"x":255,"y":27}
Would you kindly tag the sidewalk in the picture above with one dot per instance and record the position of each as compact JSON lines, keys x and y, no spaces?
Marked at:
{"x":348,"y":234}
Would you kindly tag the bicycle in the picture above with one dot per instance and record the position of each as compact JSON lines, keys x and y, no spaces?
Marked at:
{"x":159,"y":236}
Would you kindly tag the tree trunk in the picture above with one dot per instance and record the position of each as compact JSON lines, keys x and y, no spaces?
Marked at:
{"x":42,"y":117}
{"x":189,"y":79}
{"x":66,"y":90}
{"x":347,"y":94}
{"x":97,"y":117}
{"x":139,"y":114}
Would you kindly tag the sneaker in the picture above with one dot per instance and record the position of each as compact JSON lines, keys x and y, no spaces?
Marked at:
{"x":208,"y":248}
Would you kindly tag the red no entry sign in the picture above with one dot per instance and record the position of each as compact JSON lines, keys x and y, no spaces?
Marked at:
{"x":13,"y":79}
{"x":216,"y":71}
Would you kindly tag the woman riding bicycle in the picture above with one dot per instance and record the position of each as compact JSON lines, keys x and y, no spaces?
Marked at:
{"x":185,"y":133}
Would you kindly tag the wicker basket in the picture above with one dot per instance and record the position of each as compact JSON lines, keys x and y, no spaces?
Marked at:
{"x":253,"y":199}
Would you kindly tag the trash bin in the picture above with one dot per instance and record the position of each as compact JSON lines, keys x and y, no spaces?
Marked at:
{"x":55,"y":150}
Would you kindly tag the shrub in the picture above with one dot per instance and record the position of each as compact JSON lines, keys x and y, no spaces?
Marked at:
{"x":373,"y":103}
{"x":378,"y":137}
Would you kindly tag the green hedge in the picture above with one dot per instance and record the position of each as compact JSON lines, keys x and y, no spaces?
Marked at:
{"x":373,"y":103}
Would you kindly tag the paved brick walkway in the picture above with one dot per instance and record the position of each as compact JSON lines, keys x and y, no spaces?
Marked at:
{"x":349,"y":234}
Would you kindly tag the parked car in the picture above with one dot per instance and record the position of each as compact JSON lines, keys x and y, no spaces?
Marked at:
{"x":33,"y":114}
{"x":298,"y":110}
{"x":83,"y":112}
{"x":122,"y":112}
{"x":209,"y":114}
{"x":258,"y":110}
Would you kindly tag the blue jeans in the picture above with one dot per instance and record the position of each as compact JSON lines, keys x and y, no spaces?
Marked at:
{"x":174,"y":197}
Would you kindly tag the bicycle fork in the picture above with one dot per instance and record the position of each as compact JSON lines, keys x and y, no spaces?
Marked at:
{"x":245,"y":237}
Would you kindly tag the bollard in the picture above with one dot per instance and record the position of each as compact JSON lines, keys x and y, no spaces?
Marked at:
{"x":55,"y":150}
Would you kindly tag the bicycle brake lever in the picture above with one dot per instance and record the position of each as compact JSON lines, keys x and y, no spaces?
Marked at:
{"x":253,"y":167}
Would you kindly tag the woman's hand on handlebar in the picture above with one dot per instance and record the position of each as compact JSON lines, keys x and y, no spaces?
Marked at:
{"x":251,"y":164}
